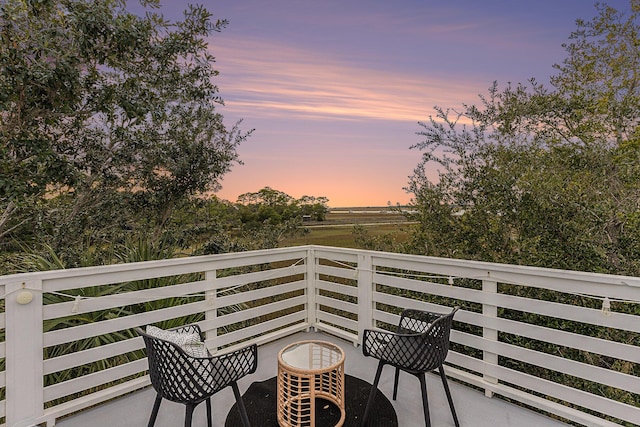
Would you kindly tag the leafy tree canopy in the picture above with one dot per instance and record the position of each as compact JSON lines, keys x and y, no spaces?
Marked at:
{"x":273,"y":206}
{"x":543,"y":175}
{"x":111,"y":112}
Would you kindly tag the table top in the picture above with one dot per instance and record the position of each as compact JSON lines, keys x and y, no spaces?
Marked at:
{"x":311,"y":355}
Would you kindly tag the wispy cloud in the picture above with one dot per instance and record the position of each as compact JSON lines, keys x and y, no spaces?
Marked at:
{"x":269,"y":79}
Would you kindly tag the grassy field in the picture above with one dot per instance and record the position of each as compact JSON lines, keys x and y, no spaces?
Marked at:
{"x":337,"y":229}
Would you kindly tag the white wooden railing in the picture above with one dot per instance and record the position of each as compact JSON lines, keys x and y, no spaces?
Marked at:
{"x":68,"y":341}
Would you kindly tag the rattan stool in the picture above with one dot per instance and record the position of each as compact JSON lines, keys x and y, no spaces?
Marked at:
{"x":308,"y":370}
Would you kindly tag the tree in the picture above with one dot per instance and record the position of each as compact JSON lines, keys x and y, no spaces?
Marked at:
{"x":315,"y":207}
{"x":112,"y":112}
{"x":544,"y":176}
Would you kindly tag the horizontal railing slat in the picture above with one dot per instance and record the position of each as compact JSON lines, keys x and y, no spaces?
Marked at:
{"x":343,"y":322}
{"x":337,"y":287}
{"x":344,"y":272}
{"x":548,"y":361}
{"x":251,"y":313}
{"x":341,"y":272}
{"x":95,"y":379}
{"x":595,"y":345}
{"x":257,"y":330}
{"x":243,"y":297}
{"x":337,"y":304}
{"x":258,"y":276}
{"x":90,"y":304}
{"x":102,"y":352}
{"x":121,"y":323}
{"x":620,"y":321}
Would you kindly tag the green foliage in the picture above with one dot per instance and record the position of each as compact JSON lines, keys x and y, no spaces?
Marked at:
{"x":261,"y":220}
{"x":538,"y":176}
{"x":274,"y":207}
{"x":545,"y":177}
{"x":112,"y":114}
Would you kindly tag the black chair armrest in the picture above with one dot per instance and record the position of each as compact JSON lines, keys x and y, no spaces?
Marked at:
{"x":391,"y":347}
{"x":216,"y":372}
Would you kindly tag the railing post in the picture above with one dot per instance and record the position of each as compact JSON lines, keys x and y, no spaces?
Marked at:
{"x":212,"y":313}
{"x":489,"y":334}
{"x":311,"y":277}
{"x":365,"y":294}
{"x":24,"y":356}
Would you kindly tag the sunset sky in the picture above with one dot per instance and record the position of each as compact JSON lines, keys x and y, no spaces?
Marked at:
{"x":335,"y":88}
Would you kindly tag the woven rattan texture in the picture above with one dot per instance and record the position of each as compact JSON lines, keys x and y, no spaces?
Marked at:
{"x":299,"y":387}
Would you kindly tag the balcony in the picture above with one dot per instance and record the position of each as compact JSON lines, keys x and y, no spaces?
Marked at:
{"x":530,"y":346}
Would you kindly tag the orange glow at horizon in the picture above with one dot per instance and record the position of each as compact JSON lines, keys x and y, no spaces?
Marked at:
{"x":335,"y":90}
{"x":350,"y":101}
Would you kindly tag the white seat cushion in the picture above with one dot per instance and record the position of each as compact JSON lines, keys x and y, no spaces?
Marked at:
{"x":189,"y":342}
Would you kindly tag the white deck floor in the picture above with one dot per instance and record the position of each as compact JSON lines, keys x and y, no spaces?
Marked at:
{"x":473,"y":408}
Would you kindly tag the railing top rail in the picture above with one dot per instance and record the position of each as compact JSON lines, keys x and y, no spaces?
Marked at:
{"x":602,"y":278}
{"x":508,"y":272}
{"x":146,"y":265}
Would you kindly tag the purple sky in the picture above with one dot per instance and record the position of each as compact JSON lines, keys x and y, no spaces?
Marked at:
{"x":335,"y":88}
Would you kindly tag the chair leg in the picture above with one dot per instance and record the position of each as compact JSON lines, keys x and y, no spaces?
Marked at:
{"x":425,"y":401}
{"x":240,"y":402}
{"x":154,"y":412}
{"x":445,"y":383}
{"x":209,"y":412}
{"x":395,"y":383}
{"x":372,"y":393}
{"x":188,"y":415}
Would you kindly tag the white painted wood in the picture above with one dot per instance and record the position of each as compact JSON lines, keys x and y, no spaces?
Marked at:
{"x":545,"y":308}
{"x":311,"y":278}
{"x":259,"y":330}
{"x":252,"y":313}
{"x":384,"y":317}
{"x":336,"y":254}
{"x":23,"y":340}
{"x":341,"y":272}
{"x":534,"y":401}
{"x":69,"y":361}
{"x":56,"y":280}
{"x":258,"y":276}
{"x":366,"y":302}
{"x":95,"y":379}
{"x":87,"y":305}
{"x":555,"y":363}
{"x":311,"y":261}
{"x":121,"y":323}
{"x":353,"y":338}
{"x":340,"y":288}
{"x":332,"y":319}
{"x":211,"y":297}
{"x":243,"y":297}
{"x":405,"y":302}
{"x":92,"y":399}
{"x":555,"y":336}
{"x":337,"y":304}
{"x":491,"y":334}
{"x":545,"y":387}
{"x":568,"y":394}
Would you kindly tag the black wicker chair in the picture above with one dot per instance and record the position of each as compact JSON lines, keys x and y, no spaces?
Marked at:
{"x":184,"y":378}
{"x":420,"y":345}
